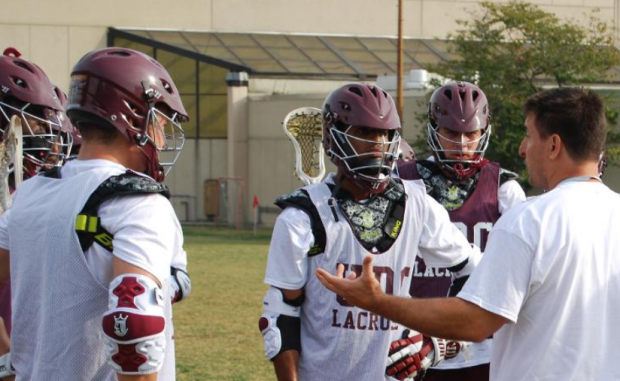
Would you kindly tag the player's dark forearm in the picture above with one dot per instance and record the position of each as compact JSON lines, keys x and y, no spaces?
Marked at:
{"x":285,"y":365}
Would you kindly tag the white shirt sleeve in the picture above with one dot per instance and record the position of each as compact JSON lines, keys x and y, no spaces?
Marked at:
{"x":441,"y":243}
{"x":147,"y":233}
{"x":4,"y":229}
{"x":287,"y":265}
{"x":501,"y":280}
{"x":510,"y":194}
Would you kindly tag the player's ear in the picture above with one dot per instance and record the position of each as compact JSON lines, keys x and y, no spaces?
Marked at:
{"x":555,"y":146}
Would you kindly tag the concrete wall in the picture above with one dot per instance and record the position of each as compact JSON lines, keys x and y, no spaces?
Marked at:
{"x":56,"y":33}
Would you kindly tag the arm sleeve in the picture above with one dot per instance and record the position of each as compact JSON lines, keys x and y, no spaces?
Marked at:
{"x":510,"y":194}
{"x":146,"y":232}
{"x":287,"y":264}
{"x":501,"y":280}
{"x":441,"y":243}
{"x":4,"y":229}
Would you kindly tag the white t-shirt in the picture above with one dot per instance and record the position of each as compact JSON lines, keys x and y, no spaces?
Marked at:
{"x":58,"y":294}
{"x":551,"y":267}
{"x":510,"y":194}
{"x":146,"y":230}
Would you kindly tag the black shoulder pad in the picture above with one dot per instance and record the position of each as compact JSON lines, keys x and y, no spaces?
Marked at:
{"x":87,"y":225}
{"x":506,"y":175}
{"x":53,"y":173}
{"x":301,"y":200}
{"x":427,"y":168}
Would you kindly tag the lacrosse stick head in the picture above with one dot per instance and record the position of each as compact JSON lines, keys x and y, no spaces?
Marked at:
{"x":358,"y":106}
{"x":11,"y":160}
{"x":26,"y":92}
{"x":304,"y":126}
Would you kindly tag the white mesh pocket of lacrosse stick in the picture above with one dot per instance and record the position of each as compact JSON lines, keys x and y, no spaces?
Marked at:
{"x":10,"y":161}
{"x":304,"y":126}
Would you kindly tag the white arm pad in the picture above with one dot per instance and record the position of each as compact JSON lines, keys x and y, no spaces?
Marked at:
{"x":274,"y":306}
{"x":6,"y":368}
{"x":273,"y":303}
{"x":134,"y":325}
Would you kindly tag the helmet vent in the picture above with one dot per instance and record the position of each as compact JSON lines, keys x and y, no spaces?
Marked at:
{"x":448,"y":93}
{"x":20,"y":82}
{"x":462,"y":95}
{"x":356,"y":90}
{"x":119,"y":53}
{"x":474,"y":95}
{"x":23,"y":66}
{"x":385,"y":94}
{"x":167,"y":86}
{"x":374,"y":91}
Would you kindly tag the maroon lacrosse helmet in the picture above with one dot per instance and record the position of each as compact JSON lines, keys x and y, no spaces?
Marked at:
{"x":131,"y":92}
{"x":459,"y":107}
{"x":26,"y":82}
{"x":367,"y":106}
{"x":26,"y":91}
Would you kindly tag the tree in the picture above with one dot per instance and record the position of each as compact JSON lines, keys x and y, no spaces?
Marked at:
{"x":513,"y":50}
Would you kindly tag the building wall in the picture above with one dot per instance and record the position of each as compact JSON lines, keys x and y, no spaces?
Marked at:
{"x":56,"y":33}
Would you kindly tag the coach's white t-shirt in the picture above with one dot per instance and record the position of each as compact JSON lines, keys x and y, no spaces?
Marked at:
{"x":134,"y":222}
{"x":552,"y":267}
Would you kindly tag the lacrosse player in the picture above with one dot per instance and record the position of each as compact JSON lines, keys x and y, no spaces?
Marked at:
{"x":360,"y":211}
{"x":26,"y":92}
{"x":107,"y":235}
{"x":475,"y":192}
{"x":546,"y":288}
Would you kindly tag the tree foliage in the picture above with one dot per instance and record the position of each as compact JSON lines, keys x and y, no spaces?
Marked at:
{"x":513,"y":50}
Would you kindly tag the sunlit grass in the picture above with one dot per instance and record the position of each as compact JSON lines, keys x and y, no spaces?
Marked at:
{"x":216,"y":328}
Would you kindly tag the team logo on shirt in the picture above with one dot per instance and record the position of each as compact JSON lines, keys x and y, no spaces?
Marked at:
{"x":120,"y":325}
{"x":368,"y":220}
{"x":453,"y":193}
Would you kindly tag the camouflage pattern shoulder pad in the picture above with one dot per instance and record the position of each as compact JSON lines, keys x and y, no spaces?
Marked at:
{"x":395,"y":190}
{"x":301,"y":200}
{"x":427,"y":168}
{"x":506,"y":175}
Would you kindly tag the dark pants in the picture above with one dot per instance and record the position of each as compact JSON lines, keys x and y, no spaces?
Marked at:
{"x":474,"y":373}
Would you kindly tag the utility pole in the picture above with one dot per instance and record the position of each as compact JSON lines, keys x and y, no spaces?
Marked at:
{"x":399,"y":75}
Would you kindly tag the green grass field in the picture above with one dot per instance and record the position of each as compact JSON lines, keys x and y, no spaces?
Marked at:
{"x":216,"y":328}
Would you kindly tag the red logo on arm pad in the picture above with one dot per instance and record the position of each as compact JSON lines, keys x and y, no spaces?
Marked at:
{"x":137,"y":326}
{"x":127,"y":290}
{"x":128,"y":358}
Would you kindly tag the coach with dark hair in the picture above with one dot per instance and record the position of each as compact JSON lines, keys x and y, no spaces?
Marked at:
{"x":548,"y":285}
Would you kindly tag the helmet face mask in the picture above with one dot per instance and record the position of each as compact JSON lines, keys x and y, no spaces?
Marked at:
{"x":372,"y":166}
{"x":455,"y":156}
{"x":46,"y":139}
{"x":165,"y":134}
{"x":361,"y":134}
{"x":461,"y":109}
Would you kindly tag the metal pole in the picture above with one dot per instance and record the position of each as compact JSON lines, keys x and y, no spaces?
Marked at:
{"x":399,"y":74}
